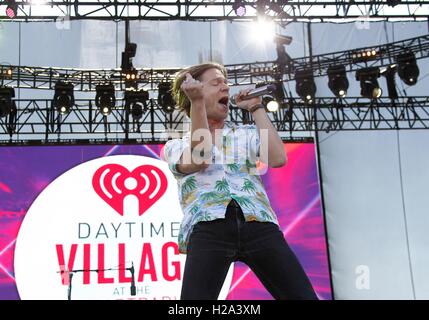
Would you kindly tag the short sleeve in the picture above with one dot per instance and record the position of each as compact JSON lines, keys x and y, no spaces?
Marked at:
{"x":173,"y":150}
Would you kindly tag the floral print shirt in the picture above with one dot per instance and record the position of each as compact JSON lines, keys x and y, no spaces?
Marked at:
{"x":205,"y":195}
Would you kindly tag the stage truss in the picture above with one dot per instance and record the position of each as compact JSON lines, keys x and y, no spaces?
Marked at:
{"x":38,"y":122}
{"x":283,"y":11}
{"x":28,"y":77}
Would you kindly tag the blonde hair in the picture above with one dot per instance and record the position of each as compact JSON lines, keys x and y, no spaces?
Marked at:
{"x":195,"y":71}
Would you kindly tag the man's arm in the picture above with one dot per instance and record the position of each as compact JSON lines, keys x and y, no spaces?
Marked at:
{"x":185,"y":165}
{"x":276,"y":154}
{"x":195,"y":157}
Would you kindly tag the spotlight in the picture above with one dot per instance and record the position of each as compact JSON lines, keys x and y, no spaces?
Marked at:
{"x":272,"y":106}
{"x":261,"y":71}
{"x":262,"y":30}
{"x":305,"y":86}
{"x":11,"y":9}
{"x":271,"y":102}
{"x":127,"y":56}
{"x":165,"y":99}
{"x":283,"y":40}
{"x":63,"y":97}
{"x":408,"y":69}
{"x":137,"y":110}
{"x":368,"y":82}
{"x":105,"y":99}
{"x":6,"y":73}
{"x":338,"y":82}
{"x":131,"y":75}
{"x":136,"y":102}
{"x":239,"y":8}
{"x":6,"y":102}
{"x":363,"y":55}
{"x":127,"y":68}
{"x":130,"y":78}
{"x":389,"y":74}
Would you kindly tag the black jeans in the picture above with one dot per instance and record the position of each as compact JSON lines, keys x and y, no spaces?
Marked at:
{"x":214,"y":245}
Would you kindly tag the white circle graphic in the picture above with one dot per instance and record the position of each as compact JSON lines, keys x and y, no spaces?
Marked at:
{"x":130,"y":183}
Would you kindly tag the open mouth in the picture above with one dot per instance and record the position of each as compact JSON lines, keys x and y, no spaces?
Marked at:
{"x":224,"y":102}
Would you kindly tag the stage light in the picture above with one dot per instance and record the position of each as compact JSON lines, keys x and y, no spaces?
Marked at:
{"x":137,"y":110}
{"x":11,"y":9}
{"x":282,"y":39}
{"x":127,"y":56}
{"x":408,"y":69}
{"x":105,"y":99}
{"x":270,"y":102}
{"x":63,"y":98}
{"x":272,"y":106}
{"x":305,"y":86}
{"x":239,"y":8}
{"x":130,"y":75}
{"x":261,"y":71}
{"x":130,"y":78}
{"x":6,"y":73}
{"x":368,"y":82}
{"x":128,"y":71}
{"x":262,"y":30}
{"x":363,"y":55}
{"x":165,"y":99}
{"x":136,"y":102}
{"x":6,"y":102}
{"x":338,"y":82}
{"x":389,"y":74}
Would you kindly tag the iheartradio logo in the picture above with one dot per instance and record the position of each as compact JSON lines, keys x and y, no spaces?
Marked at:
{"x":71,"y":227}
{"x":113,"y":183}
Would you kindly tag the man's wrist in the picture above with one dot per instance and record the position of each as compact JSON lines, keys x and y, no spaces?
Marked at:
{"x":197,"y":103}
{"x":258,"y":106}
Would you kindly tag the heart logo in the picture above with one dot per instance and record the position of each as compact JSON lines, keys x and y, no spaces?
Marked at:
{"x":113,"y":182}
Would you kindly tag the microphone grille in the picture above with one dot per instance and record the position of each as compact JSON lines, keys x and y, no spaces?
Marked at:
{"x":232,"y":100}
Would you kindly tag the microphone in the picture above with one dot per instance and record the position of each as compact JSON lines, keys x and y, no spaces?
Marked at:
{"x":133,"y":281}
{"x":256,"y":92}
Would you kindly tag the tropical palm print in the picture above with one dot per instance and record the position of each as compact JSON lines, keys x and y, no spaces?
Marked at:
{"x":189,"y":185}
{"x":248,"y":186}
{"x":205,"y":195}
{"x":221,"y":185}
{"x":233,"y":167}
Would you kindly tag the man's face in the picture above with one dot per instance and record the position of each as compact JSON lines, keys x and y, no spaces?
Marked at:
{"x":216,"y":94}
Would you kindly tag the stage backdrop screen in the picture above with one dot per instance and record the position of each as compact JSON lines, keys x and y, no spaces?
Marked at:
{"x":101,"y":222}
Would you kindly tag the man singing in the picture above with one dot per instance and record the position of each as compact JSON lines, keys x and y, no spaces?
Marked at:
{"x":227,"y":214}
